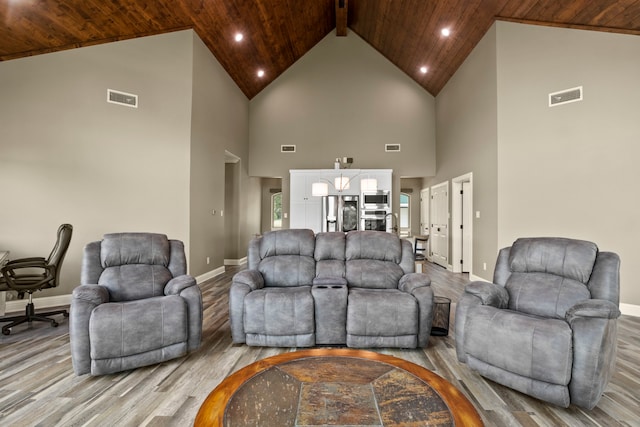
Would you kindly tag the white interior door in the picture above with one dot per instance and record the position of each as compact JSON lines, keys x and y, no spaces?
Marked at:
{"x":467,"y":218}
{"x":424,"y":212}
{"x":439,"y":230}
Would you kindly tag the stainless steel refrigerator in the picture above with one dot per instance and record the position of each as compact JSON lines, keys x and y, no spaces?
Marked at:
{"x":340,"y":213}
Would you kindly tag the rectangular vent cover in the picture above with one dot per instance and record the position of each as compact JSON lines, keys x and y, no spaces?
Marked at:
{"x":392,"y":147}
{"x":122,"y":98}
{"x":287,"y":148}
{"x":565,"y":96}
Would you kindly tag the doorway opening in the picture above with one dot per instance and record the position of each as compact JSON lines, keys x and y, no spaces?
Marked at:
{"x":462,"y":224}
{"x":439,"y":228}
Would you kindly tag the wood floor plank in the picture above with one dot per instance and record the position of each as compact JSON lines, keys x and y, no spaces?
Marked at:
{"x":38,"y":387}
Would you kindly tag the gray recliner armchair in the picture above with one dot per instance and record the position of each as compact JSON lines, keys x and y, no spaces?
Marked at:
{"x":136,"y":306}
{"x":547,"y":325}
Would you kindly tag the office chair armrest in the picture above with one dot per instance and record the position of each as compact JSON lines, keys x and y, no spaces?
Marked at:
{"x":24,"y":282}
{"x":18,"y":264}
{"x":94,"y":294}
{"x":22,"y":260}
{"x":178,"y":284}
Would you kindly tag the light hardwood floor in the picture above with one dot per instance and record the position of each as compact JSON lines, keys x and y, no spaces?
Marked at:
{"x":38,"y":387}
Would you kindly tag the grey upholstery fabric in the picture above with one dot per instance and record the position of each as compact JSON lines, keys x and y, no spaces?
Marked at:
{"x":364,"y":292}
{"x":279,"y":312}
{"x":547,"y":326}
{"x":381,"y":318}
{"x":329,"y":255}
{"x":135,"y":306}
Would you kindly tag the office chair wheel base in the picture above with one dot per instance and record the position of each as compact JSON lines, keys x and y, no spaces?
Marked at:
{"x":54,"y":324}
{"x":6,"y":332}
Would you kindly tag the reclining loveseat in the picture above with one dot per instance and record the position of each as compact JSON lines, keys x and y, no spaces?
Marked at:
{"x":357,"y":288}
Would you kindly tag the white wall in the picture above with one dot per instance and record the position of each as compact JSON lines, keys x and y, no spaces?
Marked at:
{"x":342,"y":98}
{"x":69,"y":156}
{"x":66,"y":155}
{"x":467,"y":122}
{"x":570,"y":170}
{"x":219,"y":123}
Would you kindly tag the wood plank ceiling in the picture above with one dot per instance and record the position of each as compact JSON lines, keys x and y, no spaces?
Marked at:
{"x":278,"y":32}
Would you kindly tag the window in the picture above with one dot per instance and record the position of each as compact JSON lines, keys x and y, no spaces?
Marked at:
{"x":405,"y":217}
{"x":276,"y":210}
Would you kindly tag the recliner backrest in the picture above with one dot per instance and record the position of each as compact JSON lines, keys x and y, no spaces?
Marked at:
{"x":330,"y":255}
{"x":135,"y":265}
{"x":372,"y":259}
{"x":286,"y":257}
{"x":549,"y":275}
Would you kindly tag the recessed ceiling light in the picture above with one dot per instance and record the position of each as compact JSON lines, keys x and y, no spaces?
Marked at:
{"x":424,"y":70}
{"x":445,"y":32}
{"x":238,"y":37}
{"x":260,"y":73}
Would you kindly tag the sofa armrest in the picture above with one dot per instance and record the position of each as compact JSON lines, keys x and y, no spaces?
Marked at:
{"x":593,"y":308}
{"x":409,"y":282}
{"x":419,"y":285}
{"x":475,"y":294}
{"x":84,"y":300}
{"x":242,"y":284}
{"x":176,"y":285}
{"x":91,"y":294}
{"x":488,"y":293}
{"x":186,"y":287}
{"x":251,"y":278}
{"x":594,"y":328}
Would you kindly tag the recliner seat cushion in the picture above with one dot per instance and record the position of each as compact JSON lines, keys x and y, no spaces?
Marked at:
{"x":381,"y":312}
{"x":525,"y":345}
{"x":159,"y":322}
{"x":279,"y":311}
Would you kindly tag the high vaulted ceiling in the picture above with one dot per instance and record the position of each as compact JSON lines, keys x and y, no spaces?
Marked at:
{"x":278,"y":32}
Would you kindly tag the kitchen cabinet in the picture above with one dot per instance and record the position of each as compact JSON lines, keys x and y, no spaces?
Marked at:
{"x":305,"y":210}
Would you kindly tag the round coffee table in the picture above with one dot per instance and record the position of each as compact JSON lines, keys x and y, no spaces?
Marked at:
{"x":335,"y":387}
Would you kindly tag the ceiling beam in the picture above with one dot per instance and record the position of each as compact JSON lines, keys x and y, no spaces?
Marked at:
{"x":341,"y":17}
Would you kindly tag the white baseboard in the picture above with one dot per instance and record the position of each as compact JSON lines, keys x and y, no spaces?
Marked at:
{"x":210,"y":274}
{"x":18,"y":305}
{"x":630,"y":309}
{"x":235,"y":261}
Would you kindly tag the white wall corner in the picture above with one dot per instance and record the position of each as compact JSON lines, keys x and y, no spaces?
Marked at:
{"x":630,"y":309}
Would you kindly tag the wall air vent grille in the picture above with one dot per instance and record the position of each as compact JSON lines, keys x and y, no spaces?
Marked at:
{"x":287,"y":148}
{"x":565,"y":96}
{"x":122,"y":98}
{"x":392,"y":147}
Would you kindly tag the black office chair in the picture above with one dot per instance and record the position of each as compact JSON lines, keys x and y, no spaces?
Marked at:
{"x":27,"y":275}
